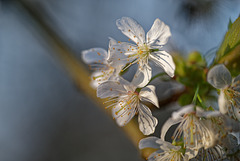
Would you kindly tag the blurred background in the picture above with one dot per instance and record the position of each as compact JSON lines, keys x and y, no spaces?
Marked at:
{"x":44,"y":116}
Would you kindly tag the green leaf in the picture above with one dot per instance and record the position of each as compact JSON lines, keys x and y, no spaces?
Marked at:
{"x":229,"y":24}
{"x":231,"y":39}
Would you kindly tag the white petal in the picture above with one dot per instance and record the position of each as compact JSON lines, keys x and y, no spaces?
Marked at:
{"x":96,"y":82}
{"x":147,"y":122}
{"x":167,"y":125}
{"x":142,"y":76}
{"x":219,"y":76}
{"x":164,"y":60}
{"x":237,"y":80}
{"x":127,"y":85}
{"x":112,"y":42}
{"x":118,"y":53}
{"x":148,"y":94}
{"x":94,"y":55}
{"x":115,"y":75}
{"x":237,"y":113}
{"x":155,"y":156}
{"x":191,"y":153}
{"x":149,"y":142}
{"x":236,"y":87}
{"x":164,"y":145}
{"x":231,"y":124}
{"x":110,"y":89}
{"x":237,"y":135}
{"x":209,"y":114}
{"x":223,"y":103}
{"x":182,"y":111}
{"x":131,"y":29}
{"x":122,"y":115}
{"x":159,"y":33}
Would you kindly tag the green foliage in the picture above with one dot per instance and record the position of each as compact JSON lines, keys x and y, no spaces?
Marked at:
{"x":192,"y":72}
{"x":229,"y":51}
{"x":231,"y":39}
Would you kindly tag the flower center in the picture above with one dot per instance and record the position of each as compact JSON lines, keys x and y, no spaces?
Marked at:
{"x":128,"y":102}
{"x":143,"y":51}
{"x":105,"y":74}
{"x":175,"y":155}
{"x":232,"y":95}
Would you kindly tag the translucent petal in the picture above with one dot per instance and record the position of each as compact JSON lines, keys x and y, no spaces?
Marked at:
{"x":164,"y":60}
{"x":126,"y":85}
{"x":166,"y":151}
{"x":236,"y":88}
{"x":131,"y":29}
{"x":186,"y":109}
{"x":209,"y":114}
{"x":167,"y":125}
{"x":148,"y":94}
{"x":156,"y":156}
{"x":94,"y":55}
{"x":149,"y":142}
{"x":158,"y":34}
{"x":123,"y":115}
{"x":147,"y":122}
{"x":120,"y":53}
{"x":219,"y":76}
{"x":223,"y":103}
{"x":111,"y":53}
{"x":167,"y":156}
{"x":164,"y":145}
{"x":142,"y":76}
{"x":237,"y":135}
{"x":96,"y":82}
{"x":215,"y":153}
{"x":231,"y":124}
{"x":110,"y":89}
{"x":237,"y":113}
{"x":191,"y":153}
{"x":237,"y":80}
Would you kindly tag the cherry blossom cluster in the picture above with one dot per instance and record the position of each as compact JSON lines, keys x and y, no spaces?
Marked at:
{"x":125,"y":97}
{"x":202,"y":133}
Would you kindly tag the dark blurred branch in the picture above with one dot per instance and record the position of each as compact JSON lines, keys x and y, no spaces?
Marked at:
{"x":76,"y":70}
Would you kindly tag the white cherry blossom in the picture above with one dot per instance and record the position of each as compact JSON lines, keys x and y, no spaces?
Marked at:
{"x":145,"y":49}
{"x":105,"y":64}
{"x":215,"y":153}
{"x":192,"y":128}
{"x":166,"y":151}
{"x":229,"y":98}
{"x":126,"y":101}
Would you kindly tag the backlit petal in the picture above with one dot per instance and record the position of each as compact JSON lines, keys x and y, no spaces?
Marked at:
{"x":147,"y":122}
{"x":110,"y":89}
{"x":117,"y":53}
{"x":142,"y":76}
{"x":131,"y":29}
{"x":223,"y":103}
{"x":158,"y":34}
{"x":182,"y":111}
{"x":149,"y":142}
{"x":96,"y":81}
{"x":94,"y":55}
{"x":148,"y":94}
{"x":164,"y":60}
{"x":219,"y":76}
{"x":122,"y":115}
{"x":237,"y":135}
{"x":170,"y":122}
{"x":126,"y":85}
